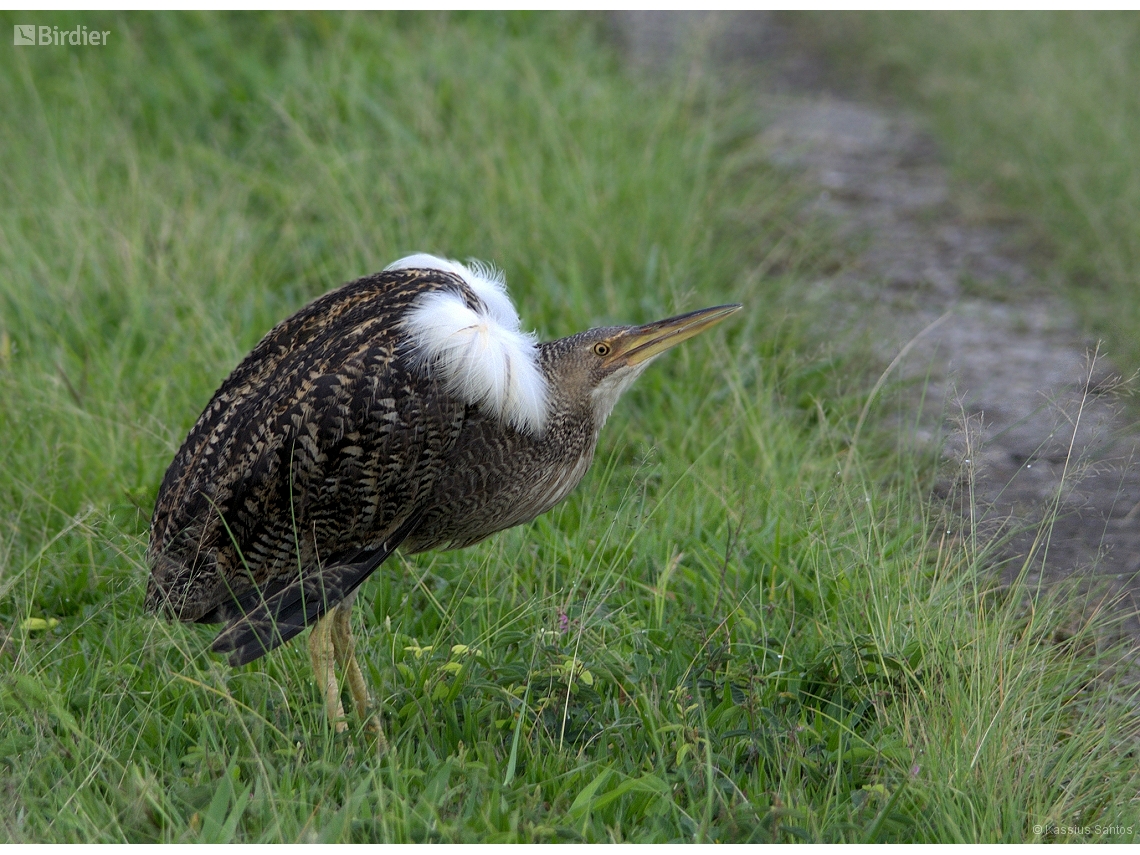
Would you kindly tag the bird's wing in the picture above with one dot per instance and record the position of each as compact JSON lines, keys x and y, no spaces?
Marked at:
{"x":308,"y":461}
{"x":284,"y":613}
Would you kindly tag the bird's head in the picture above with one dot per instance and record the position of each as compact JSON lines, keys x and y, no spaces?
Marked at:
{"x":469,"y":337}
{"x":591,"y":369}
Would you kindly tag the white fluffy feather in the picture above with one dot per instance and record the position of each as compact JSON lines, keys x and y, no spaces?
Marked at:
{"x":482,"y":355}
{"x":488,"y":283}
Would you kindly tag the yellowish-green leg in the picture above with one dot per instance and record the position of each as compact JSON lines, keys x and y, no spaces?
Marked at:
{"x":345,"y":647}
{"x":322,"y":652}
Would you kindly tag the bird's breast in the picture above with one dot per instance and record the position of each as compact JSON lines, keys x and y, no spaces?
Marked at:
{"x":496,"y":480}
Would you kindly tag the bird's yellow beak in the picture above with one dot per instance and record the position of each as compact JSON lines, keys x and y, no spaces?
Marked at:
{"x":645,"y":342}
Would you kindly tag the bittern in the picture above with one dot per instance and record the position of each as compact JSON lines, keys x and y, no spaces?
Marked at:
{"x":405,"y":409}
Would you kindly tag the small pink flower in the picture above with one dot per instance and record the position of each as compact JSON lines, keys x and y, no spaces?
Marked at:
{"x":563,"y":622}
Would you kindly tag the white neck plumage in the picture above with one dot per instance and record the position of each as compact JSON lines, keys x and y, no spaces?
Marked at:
{"x":476,"y":345}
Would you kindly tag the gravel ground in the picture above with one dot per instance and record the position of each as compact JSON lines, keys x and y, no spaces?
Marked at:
{"x":1017,"y":398}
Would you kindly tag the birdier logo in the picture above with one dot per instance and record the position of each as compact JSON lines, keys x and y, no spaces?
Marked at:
{"x":30,"y":34}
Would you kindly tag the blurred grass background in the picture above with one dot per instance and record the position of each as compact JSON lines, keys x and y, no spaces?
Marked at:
{"x":717,"y":637}
{"x":1038,"y":111}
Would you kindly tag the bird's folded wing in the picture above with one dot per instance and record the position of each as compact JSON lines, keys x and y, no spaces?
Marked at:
{"x":282,"y":615}
{"x":307,"y":453}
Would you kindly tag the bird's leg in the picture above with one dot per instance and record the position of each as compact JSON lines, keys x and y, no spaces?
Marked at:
{"x":321,"y":650}
{"x":345,"y":646}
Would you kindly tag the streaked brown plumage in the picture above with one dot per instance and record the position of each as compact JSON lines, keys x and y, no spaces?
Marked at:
{"x":336,"y":441}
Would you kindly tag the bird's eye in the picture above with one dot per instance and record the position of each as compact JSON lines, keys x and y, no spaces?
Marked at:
{"x":602,"y":349}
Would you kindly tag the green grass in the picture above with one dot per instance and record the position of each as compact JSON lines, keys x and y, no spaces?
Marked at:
{"x":1041,"y":110}
{"x":717,"y":637}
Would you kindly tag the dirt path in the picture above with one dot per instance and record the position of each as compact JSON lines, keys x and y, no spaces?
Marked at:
{"x":1014,"y":397}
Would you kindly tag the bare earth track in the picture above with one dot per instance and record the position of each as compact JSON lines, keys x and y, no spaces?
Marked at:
{"x":1014,"y":396}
